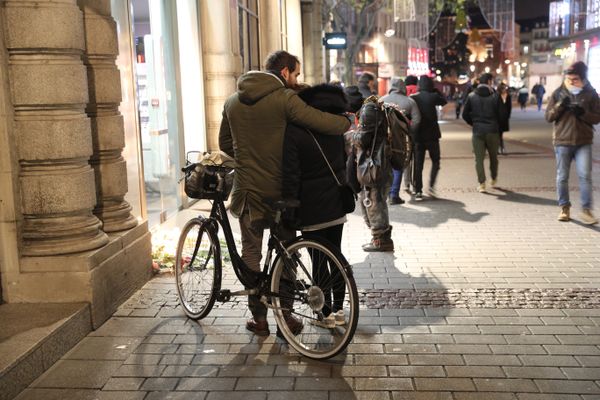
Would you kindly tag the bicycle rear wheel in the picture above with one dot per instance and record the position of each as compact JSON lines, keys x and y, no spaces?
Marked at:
{"x":315,"y":285}
{"x":198,"y":268}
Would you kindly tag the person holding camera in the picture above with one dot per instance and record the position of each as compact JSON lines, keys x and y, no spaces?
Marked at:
{"x":574,"y":108}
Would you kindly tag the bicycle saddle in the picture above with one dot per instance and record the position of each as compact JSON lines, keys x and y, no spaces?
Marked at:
{"x":282,"y":204}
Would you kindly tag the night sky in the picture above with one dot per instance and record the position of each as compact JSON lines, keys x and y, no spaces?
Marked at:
{"x":525,"y":9}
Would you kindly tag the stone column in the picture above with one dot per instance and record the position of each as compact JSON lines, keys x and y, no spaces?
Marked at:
{"x":108,"y":137}
{"x":312,"y":34}
{"x":51,"y":131}
{"x":222,"y":61}
{"x":269,"y":22}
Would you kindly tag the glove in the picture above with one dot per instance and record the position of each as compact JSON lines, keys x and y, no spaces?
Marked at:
{"x":578,"y":110}
{"x":566,"y":102}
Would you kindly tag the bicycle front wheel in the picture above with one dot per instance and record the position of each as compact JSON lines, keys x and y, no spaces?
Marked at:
{"x":315,"y":284}
{"x":198,"y":268}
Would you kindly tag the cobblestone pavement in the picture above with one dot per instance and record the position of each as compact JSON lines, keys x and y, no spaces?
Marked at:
{"x":487,"y":296}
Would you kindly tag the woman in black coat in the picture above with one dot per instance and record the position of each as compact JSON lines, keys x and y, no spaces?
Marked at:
{"x":505,"y":105}
{"x":307,"y":177}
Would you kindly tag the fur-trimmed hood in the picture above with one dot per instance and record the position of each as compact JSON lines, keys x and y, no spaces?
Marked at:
{"x":325,"y":97}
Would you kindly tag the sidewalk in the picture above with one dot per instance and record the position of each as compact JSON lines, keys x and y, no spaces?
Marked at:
{"x":486,"y":297}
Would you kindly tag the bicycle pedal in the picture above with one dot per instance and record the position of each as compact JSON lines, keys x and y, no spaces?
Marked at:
{"x":224,"y":295}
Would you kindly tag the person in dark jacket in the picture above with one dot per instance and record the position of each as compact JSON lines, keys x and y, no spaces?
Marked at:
{"x":505,"y":104}
{"x":411,"y":83}
{"x":427,"y":137}
{"x":307,"y":177}
{"x":367,"y":85}
{"x":252,"y":130}
{"x":574,"y":109}
{"x":482,"y":113}
{"x":538,"y":90}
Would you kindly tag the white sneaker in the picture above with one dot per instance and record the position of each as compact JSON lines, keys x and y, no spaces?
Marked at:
{"x":340,"y":318}
{"x":328,"y":322}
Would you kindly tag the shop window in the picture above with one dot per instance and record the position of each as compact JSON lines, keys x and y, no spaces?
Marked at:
{"x":249,"y":38}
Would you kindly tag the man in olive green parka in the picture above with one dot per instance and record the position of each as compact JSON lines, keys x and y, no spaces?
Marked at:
{"x":252,"y":131}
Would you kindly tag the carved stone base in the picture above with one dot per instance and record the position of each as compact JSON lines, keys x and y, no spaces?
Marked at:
{"x":105,"y":277}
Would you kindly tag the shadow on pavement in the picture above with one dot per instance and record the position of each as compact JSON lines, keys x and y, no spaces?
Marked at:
{"x":509,"y":195}
{"x":439,"y":211}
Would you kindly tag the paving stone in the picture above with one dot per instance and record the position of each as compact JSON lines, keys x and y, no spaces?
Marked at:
{"x":104,"y":348}
{"x":379,"y":338}
{"x":582,"y":373}
{"x":88,"y":374}
{"x":464,"y":348}
{"x":472,"y":372}
{"x":487,"y":396}
{"x":534,"y":372}
{"x":309,"y":395}
{"x":383,"y":384}
{"x":190,"y":371}
{"x":435,"y":359}
{"x":532,"y":339}
{"x":206,"y":384}
{"x":579,"y":339}
{"x":325,"y":384}
{"x":479,"y":339}
{"x":476,"y":359}
{"x":410,"y":348}
{"x":572,"y":349}
{"x":359,"y":371}
{"x":161,"y":338}
{"x":271,"y":383}
{"x":550,"y":361}
{"x":571,"y":386}
{"x":247,"y":371}
{"x":176,"y":396}
{"x":139,"y":370}
{"x":505,"y":329}
{"x":120,"y":396}
{"x":422,"y":396}
{"x":517,"y":349}
{"x":452,"y":384}
{"x":427,"y":338}
{"x":384,"y":359}
{"x":123,"y":384}
{"x":58,"y":394}
{"x":505,"y":385}
{"x":160,"y":384}
{"x":547,"y":396}
{"x":236,"y":396}
{"x":414,"y":370}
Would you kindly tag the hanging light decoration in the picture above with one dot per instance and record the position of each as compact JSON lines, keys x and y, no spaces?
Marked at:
{"x":416,"y":18}
{"x":404,"y":10}
{"x":500,"y":15}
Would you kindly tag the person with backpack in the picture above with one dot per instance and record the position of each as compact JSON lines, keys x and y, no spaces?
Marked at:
{"x":371,"y":149}
{"x":482,"y":112}
{"x":408,"y":106}
{"x":427,"y":136}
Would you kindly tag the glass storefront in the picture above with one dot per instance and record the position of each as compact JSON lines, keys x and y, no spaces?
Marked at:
{"x":167,"y":86}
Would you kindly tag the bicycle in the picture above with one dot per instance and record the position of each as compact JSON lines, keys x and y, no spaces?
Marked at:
{"x":306,"y":278}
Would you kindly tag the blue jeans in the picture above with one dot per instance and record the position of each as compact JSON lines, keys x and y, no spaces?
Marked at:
{"x":396,"y":181}
{"x":539,"y":102}
{"x":583,"y":163}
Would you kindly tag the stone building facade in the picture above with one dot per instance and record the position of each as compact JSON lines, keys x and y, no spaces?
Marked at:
{"x":73,"y":213}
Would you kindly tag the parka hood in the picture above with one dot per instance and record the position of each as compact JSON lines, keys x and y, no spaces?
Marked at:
{"x":255,"y":85}
{"x":484,"y":90}
{"x":425,"y":84}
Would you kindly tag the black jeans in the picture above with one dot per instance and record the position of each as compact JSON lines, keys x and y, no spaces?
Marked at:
{"x":328,"y":278}
{"x":434,"y":153}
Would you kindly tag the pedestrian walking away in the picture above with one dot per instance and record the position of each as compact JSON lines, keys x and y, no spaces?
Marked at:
{"x":482,"y":113}
{"x":409,"y":107}
{"x":427,"y":136}
{"x":252,"y":131}
{"x":574,"y":109}
{"x":505,"y":104}
{"x":538,"y":90}
{"x":523,"y":97}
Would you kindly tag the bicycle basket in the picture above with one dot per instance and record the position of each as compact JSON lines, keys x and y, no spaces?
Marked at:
{"x":208,"y":182}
